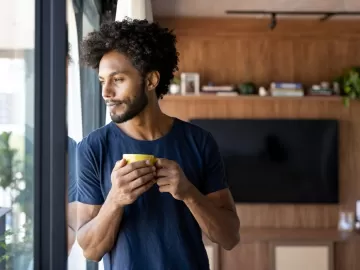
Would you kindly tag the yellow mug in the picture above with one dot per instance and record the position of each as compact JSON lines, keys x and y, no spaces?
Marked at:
{"x":138,"y":157}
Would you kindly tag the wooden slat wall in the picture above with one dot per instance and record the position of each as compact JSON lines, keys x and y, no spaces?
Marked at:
{"x":227,"y":51}
{"x":287,"y":216}
{"x":255,"y":256}
{"x":216,"y":8}
{"x":233,"y":50}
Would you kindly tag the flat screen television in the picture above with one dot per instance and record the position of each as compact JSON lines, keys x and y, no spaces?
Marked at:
{"x":278,"y":160}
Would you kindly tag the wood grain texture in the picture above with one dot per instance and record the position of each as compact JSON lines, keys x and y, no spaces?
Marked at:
{"x":254,"y":252}
{"x":250,"y":235}
{"x":230,"y":51}
{"x":286,"y":216}
{"x":347,"y":256}
{"x":215,"y":8}
{"x":254,"y":256}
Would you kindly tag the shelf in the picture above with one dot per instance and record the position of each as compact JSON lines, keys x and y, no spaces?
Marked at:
{"x":247,"y":97}
{"x":249,"y":235}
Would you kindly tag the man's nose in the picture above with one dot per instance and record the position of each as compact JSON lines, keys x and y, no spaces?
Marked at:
{"x":107,"y":90}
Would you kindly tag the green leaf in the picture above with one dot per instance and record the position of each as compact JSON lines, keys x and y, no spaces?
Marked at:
{"x":351,"y":86}
{"x":3,"y":245}
{"x":4,"y":258}
{"x":346,"y":102}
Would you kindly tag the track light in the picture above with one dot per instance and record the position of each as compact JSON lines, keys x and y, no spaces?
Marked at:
{"x":273,"y":21}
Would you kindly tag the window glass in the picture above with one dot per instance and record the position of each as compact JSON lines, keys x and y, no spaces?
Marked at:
{"x":84,"y":96}
{"x":17,"y":24}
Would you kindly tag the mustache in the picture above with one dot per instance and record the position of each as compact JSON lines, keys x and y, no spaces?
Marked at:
{"x":111,"y":102}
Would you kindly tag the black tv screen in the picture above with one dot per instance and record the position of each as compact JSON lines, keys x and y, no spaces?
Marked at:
{"x":278,"y":160}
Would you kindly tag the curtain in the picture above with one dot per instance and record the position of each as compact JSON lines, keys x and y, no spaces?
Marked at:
{"x":74,"y":110}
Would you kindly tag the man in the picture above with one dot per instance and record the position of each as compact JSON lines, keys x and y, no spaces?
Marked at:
{"x":140,"y":216}
{"x":71,"y":182}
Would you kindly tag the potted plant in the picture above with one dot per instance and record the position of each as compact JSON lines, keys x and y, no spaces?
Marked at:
{"x":11,"y":178}
{"x":350,"y":84}
{"x":246,"y":88}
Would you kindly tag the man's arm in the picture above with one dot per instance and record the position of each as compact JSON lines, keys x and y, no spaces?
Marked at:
{"x":98,"y":225}
{"x":212,"y":204}
{"x":216,"y":215}
{"x":94,"y":228}
{"x":71,"y":206}
{"x":215,"y":212}
{"x":71,"y":224}
{"x":98,"y":228}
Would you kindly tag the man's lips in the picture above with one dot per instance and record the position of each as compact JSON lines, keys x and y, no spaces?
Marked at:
{"x":112,"y":104}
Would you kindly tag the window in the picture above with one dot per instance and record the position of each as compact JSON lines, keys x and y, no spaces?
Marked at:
{"x":16,"y":133}
{"x":85,"y":104}
{"x":5,"y":108}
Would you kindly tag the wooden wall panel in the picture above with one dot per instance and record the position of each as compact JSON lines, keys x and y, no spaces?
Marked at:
{"x":232,"y":50}
{"x":217,"y":8}
{"x":228,"y":51}
{"x":255,"y":255}
{"x":347,"y":256}
{"x":286,"y":216}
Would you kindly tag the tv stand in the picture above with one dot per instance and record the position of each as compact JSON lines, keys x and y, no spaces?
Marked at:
{"x":265,"y":248}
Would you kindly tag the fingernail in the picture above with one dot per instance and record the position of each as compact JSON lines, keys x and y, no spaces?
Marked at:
{"x":148,"y":162}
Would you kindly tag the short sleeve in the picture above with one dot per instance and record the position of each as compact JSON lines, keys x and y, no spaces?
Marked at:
{"x":214,"y":169}
{"x":88,"y":180}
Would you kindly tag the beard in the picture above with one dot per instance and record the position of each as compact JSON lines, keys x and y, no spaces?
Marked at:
{"x":133,"y":107}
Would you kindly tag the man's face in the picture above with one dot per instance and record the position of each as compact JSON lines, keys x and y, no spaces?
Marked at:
{"x":123,"y":88}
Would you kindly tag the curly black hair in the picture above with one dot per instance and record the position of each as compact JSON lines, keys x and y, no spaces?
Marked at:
{"x":148,"y":46}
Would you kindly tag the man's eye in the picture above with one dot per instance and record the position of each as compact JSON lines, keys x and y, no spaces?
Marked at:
{"x":119,"y":79}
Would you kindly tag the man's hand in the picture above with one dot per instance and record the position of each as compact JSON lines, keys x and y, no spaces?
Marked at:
{"x":172,"y":179}
{"x":129,"y":181}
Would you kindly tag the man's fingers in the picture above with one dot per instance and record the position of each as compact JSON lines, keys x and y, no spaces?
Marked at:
{"x":140,"y":190}
{"x":163,"y":181}
{"x":162,"y":172}
{"x":141,"y":181}
{"x":119,"y":164}
{"x":137,"y":173}
{"x":135,"y":165}
{"x":166,"y":188}
{"x":164,"y":163}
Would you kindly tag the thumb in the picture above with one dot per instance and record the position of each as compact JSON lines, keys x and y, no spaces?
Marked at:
{"x":119,"y":164}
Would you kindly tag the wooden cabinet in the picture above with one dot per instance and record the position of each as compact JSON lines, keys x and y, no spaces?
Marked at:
{"x":274,"y":249}
{"x":303,"y":255}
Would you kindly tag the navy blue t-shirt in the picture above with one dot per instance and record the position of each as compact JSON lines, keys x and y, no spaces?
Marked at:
{"x":157,"y":232}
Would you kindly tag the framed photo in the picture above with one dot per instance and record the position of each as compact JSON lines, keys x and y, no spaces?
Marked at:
{"x":190,"y":83}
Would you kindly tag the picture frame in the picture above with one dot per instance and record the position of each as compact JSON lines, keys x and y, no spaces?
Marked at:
{"x":190,"y":83}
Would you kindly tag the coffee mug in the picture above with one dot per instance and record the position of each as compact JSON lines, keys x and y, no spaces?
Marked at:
{"x":139,"y":157}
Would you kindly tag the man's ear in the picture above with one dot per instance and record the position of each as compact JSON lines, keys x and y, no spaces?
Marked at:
{"x":152,"y":80}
